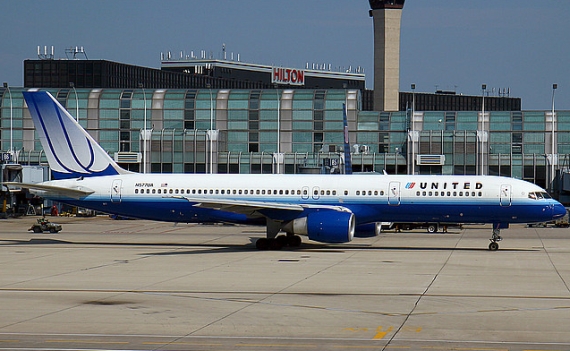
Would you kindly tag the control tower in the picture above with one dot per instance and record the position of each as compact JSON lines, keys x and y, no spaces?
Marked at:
{"x":386,"y":15}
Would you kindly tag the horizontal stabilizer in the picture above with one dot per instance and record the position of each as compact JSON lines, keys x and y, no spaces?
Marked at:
{"x":51,"y":190}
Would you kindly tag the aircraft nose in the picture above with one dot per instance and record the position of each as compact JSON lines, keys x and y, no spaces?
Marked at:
{"x":558,"y":210}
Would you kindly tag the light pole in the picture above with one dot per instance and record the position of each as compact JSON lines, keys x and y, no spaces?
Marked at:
{"x":483,"y":87}
{"x":211,"y":129}
{"x":278,"y":160}
{"x":413,"y":128}
{"x":552,"y":175}
{"x":144,"y":128}
{"x":72,"y":85}
{"x":440,"y":122}
{"x":11,"y":151}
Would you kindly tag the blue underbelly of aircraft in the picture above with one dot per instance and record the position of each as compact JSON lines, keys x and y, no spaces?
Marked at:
{"x":169,"y":211}
{"x":179,"y":210}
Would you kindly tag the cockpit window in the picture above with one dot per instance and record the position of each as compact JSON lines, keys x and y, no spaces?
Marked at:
{"x":537,"y":195}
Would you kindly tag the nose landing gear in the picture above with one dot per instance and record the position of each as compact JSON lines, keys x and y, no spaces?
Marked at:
{"x":494,"y":245}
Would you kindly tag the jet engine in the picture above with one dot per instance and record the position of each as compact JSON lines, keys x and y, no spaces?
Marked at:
{"x":368,"y":230}
{"x":326,"y":226}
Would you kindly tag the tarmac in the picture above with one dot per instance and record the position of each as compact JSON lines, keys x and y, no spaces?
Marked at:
{"x":103,"y":284}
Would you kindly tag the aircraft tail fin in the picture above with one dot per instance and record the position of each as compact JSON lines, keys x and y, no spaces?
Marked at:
{"x":70,"y":150}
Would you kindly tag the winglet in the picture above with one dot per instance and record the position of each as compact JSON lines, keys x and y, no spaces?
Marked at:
{"x":70,"y":150}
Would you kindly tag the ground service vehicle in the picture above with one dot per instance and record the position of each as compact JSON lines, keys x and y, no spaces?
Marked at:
{"x":44,"y":225}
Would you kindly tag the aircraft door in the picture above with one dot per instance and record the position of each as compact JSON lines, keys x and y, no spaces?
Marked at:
{"x":505,"y":195}
{"x":116,"y":190}
{"x":394,"y":194}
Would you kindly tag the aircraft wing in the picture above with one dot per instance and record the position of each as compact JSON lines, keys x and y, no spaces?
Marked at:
{"x":250,"y":207}
{"x":51,"y":190}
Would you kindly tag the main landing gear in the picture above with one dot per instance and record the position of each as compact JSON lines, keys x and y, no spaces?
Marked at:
{"x":494,"y":245}
{"x":278,"y":242}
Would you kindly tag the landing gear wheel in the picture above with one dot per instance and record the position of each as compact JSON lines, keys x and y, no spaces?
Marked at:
{"x":262,"y":244}
{"x":282,"y":241}
{"x":294,"y":241}
{"x":493,"y":246}
{"x":276,"y":244}
{"x":432,"y":228}
{"x":271,"y":243}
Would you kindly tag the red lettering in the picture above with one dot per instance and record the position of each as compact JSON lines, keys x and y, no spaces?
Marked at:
{"x":288,"y":75}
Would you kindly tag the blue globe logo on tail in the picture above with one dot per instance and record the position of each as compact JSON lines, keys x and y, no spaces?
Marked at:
{"x":70,"y":150}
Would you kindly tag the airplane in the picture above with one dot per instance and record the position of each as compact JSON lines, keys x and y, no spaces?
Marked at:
{"x":326,"y":208}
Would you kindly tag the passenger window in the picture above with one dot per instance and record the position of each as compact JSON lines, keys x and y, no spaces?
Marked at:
{"x":136,"y":191}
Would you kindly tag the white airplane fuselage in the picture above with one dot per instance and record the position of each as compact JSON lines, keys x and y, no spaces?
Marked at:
{"x":371,"y":197}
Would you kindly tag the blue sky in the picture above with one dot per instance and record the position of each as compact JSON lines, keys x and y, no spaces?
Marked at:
{"x":456,"y":45}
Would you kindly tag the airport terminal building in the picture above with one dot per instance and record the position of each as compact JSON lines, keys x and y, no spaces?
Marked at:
{"x":295,"y":131}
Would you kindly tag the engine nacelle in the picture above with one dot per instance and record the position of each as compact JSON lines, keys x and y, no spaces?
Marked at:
{"x":326,"y":226}
{"x":368,"y":230}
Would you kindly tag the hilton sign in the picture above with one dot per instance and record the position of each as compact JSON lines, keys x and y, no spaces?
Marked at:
{"x":287,"y":76}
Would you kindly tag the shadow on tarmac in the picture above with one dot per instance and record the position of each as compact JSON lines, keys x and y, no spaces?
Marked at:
{"x":205,"y":248}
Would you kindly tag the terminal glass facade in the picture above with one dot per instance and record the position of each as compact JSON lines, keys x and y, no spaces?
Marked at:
{"x":294,"y":131}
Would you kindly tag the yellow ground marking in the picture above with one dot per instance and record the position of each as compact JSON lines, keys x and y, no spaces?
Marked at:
{"x":380,"y":334}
